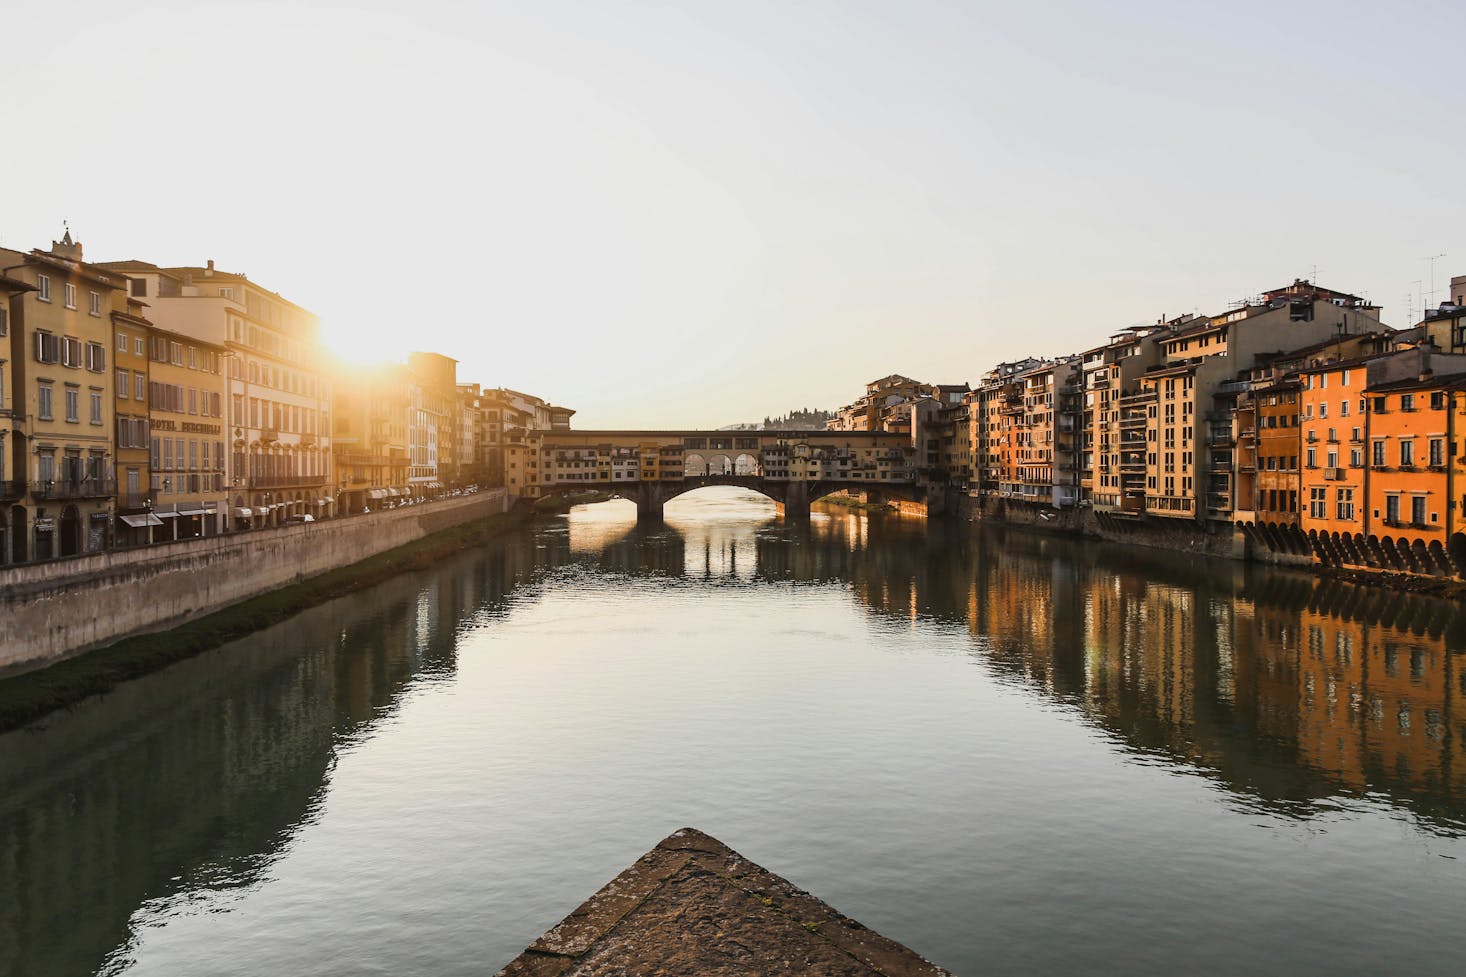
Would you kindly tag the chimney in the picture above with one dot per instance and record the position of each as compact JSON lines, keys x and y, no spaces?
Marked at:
{"x":208,"y":271}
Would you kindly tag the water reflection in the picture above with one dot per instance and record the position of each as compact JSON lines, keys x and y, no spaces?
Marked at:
{"x":1286,"y":688}
{"x":196,"y":779}
{"x":1293,"y":695}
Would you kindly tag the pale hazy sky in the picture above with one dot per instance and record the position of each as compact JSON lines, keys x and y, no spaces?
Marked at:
{"x":677,"y":214}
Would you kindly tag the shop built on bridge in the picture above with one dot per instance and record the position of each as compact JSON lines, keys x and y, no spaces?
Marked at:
{"x":794,"y":468}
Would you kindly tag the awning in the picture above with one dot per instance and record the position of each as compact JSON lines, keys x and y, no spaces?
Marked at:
{"x":167,"y":515}
{"x":393,"y":493}
{"x":146,"y":519}
{"x":190,"y":509}
{"x":327,"y":500}
{"x":242,"y":513}
{"x":377,"y":493}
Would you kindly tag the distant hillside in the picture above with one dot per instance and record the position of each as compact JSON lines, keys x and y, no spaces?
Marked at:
{"x":796,"y":420}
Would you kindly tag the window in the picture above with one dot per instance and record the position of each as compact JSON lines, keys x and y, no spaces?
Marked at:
{"x":73,"y":405}
{"x":1417,"y":510}
{"x":139,"y":347}
{"x":139,"y":387}
{"x":1318,"y":503}
{"x":1312,"y":455}
{"x":96,"y":357}
{"x":43,"y":400}
{"x":1378,"y":459}
{"x":175,"y":353}
{"x":1344,"y":379}
{"x":1407,"y":454}
{"x":227,"y":293}
{"x":43,"y":288}
{"x":70,"y":293}
{"x":1344,"y":499}
{"x":48,"y":347}
{"x":94,"y":303}
{"x":1379,"y":405}
{"x":1344,"y":407}
{"x":1323,"y":410}
{"x":1438,"y":400}
{"x":71,"y":351}
{"x":96,"y":399}
{"x":137,"y":287}
{"x":121,"y":342}
{"x":157,"y":457}
{"x":124,"y":384}
{"x":1407,"y":401}
{"x":1392,"y":510}
{"x":1437,"y":452}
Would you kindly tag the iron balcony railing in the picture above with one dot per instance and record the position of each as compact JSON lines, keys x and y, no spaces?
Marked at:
{"x":285,"y":481}
{"x":86,"y":488}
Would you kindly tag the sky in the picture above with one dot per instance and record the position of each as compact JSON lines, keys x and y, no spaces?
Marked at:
{"x":693,"y":214}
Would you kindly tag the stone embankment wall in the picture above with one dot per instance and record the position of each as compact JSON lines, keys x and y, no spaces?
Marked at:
{"x":50,"y":611}
{"x":1182,"y":536}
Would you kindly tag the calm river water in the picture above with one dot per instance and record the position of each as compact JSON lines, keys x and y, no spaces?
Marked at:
{"x":1017,"y":754}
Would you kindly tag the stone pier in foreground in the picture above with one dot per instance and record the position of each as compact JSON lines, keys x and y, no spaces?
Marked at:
{"x":692,"y":905}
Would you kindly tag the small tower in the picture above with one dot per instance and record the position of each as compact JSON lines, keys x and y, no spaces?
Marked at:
{"x":66,"y":247}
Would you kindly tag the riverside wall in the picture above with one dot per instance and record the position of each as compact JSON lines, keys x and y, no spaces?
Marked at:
{"x":50,"y":611}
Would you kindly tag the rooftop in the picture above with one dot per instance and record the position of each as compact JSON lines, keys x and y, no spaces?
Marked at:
{"x":692,"y":905}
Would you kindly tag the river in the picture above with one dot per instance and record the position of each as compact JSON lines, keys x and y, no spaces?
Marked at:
{"x":1016,"y":753}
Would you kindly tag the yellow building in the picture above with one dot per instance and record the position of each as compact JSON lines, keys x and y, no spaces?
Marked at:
{"x":12,"y":417}
{"x":278,"y":389}
{"x":62,"y":412}
{"x":370,"y":446}
{"x":186,"y":389}
{"x":136,"y":524}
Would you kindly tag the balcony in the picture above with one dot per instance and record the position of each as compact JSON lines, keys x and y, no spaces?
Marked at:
{"x":286,"y":481}
{"x":1217,"y":502}
{"x":1333,"y":474}
{"x":12,"y":491}
{"x":87,"y":488}
{"x":270,"y":434}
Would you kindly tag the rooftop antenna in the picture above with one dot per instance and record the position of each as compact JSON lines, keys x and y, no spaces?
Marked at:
{"x":1432,"y":259}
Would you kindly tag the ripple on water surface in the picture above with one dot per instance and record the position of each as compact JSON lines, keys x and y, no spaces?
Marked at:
{"x":1017,"y":754}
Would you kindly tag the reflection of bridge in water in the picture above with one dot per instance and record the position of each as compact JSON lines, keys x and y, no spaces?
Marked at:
{"x":794,"y":468}
{"x":1287,"y":689}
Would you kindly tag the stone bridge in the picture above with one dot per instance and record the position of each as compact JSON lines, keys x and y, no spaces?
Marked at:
{"x":794,"y":468}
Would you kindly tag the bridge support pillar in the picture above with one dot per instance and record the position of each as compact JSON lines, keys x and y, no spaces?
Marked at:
{"x":796,"y":502}
{"x":648,"y":503}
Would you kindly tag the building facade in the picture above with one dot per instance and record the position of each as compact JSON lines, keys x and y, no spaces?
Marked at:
{"x":278,"y":385}
{"x":61,"y":401}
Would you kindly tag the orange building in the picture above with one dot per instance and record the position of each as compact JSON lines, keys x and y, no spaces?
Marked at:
{"x":1379,"y":476}
{"x":1414,"y":474}
{"x":1332,"y":424}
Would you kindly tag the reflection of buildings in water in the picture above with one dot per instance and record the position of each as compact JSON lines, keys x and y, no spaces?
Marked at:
{"x":1285,"y":687}
{"x":196,"y":778}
